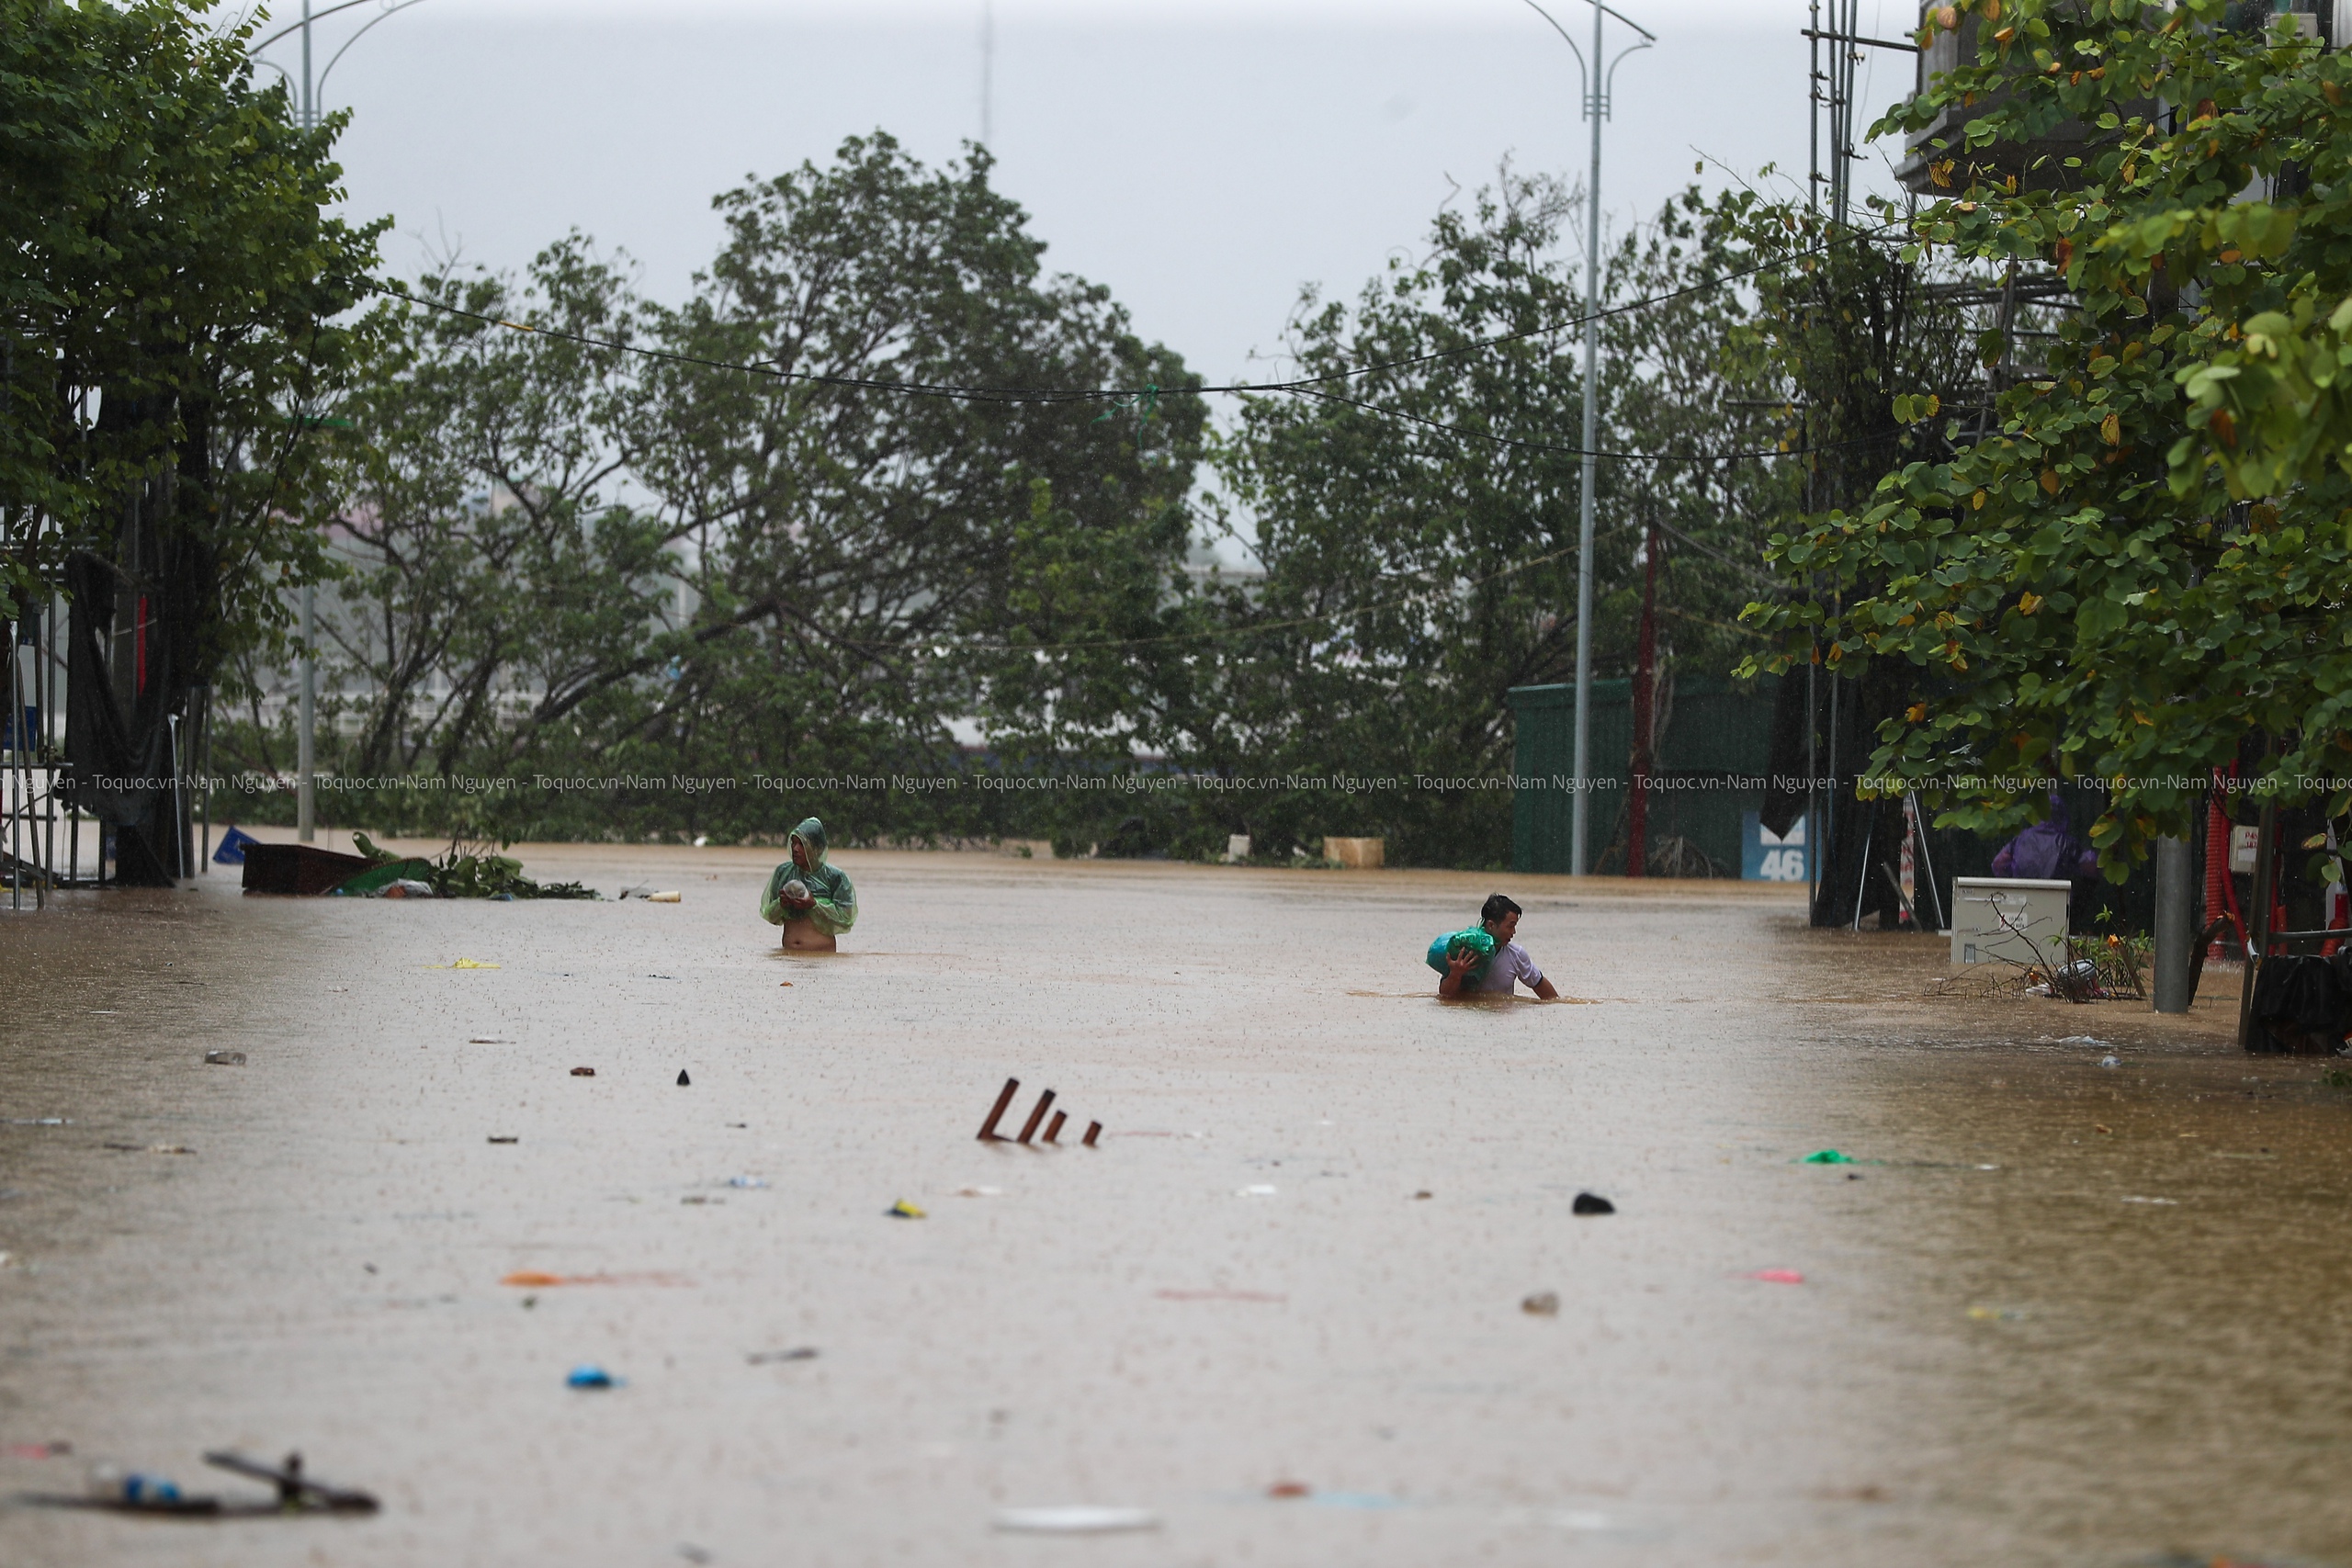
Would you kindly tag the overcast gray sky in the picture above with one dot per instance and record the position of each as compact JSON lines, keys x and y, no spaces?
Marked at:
{"x":1203,"y":159}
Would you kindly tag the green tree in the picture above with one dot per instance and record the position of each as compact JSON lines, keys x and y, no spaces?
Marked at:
{"x":2081,"y":591}
{"x":843,"y":495}
{"x":173,"y":295}
{"x":495,"y":579}
{"x":874,"y":561}
{"x":1418,"y":521}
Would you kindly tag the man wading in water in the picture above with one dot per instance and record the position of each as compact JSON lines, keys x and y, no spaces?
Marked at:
{"x":1469,"y":973}
{"x":808,"y":897}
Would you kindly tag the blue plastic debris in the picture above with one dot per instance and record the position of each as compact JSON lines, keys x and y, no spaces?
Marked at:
{"x":233,"y":847}
{"x":589,"y":1375}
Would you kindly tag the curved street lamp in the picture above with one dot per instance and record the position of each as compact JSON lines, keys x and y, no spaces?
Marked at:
{"x":306,"y":747}
{"x":1598,"y":85}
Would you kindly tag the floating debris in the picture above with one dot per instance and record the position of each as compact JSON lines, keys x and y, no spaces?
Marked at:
{"x":1078,"y":1519}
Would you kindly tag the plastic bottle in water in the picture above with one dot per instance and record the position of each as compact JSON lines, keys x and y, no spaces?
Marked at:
{"x":110,"y":1484}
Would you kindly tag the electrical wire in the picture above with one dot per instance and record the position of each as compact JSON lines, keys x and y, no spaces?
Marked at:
{"x":1308,"y":387}
{"x":1068,"y":394}
{"x":917,"y":644}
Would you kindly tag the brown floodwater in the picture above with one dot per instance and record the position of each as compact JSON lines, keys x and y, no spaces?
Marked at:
{"x":2066,"y":1314}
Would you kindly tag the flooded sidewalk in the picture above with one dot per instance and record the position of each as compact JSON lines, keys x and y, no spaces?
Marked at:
{"x":2042,"y":1311}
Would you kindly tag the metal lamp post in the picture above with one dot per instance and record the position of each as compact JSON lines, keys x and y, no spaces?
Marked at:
{"x":306,"y":752}
{"x":1598,"y":83}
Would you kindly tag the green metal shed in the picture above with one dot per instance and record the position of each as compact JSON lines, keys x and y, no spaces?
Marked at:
{"x":1713,"y":762}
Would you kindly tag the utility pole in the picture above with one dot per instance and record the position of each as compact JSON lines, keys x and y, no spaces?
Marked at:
{"x":1579,"y":838}
{"x":1597,"y":80}
{"x":305,"y":759}
{"x":987,"y":72}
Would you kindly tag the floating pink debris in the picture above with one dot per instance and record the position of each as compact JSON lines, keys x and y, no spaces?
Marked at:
{"x":1777,"y":1276}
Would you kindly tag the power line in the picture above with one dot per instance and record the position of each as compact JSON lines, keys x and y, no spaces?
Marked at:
{"x":917,"y":644}
{"x":1073,"y":394}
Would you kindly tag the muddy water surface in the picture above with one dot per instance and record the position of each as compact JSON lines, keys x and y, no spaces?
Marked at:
{"x":2066,"y":1314}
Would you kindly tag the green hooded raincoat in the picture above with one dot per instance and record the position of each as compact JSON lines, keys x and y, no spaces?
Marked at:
{"x":836,"y":908}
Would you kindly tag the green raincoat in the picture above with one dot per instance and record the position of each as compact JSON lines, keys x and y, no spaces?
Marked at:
{"x":836,"y":908}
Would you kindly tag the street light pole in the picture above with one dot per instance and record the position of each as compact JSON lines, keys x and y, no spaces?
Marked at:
{"x":306,"y":759}
{"x":1596,"y":109}
{"x":306,"y":746}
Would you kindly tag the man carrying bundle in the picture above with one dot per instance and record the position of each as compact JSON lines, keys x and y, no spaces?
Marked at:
{"x":808,"y":896}
{"x":1484,"y":961}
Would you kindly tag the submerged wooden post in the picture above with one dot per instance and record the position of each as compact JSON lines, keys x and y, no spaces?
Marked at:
{"x":1093,"y":1130}
{"x":1037,"y":1116}
{"x":987,"y":1128}
{"x":1054,"y":1127}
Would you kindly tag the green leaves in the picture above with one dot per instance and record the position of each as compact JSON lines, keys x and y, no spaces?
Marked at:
{"x":177,"y":298}
{"x":569,"y":557}
{"x":2150,"y":557}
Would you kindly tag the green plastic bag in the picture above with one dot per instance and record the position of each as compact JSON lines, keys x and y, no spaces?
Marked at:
{"x":1477,"y":939}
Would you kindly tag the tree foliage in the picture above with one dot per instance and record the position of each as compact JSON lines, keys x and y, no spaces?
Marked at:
{"x":175,"y":303}
{"x":793,"y":526}
{"x":1416,"y":513}
{"x":2079,"y":591}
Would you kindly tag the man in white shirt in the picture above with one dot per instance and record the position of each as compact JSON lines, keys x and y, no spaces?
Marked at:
{"x":1506,"y":969}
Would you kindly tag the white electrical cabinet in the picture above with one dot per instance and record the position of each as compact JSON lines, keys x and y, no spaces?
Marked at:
{"x":1999,"y":919}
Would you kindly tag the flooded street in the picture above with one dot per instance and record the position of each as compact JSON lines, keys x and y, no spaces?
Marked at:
{"x":2062,"y":1314}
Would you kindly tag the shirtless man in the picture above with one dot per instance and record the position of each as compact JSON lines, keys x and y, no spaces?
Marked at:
{"x":1509,"y":964}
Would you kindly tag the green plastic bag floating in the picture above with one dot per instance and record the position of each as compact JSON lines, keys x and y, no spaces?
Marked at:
{"x":1477,"y":938}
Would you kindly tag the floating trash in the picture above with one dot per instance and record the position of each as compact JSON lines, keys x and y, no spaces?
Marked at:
{"x":587,"y":1375}
{"x":1077,"y":1520}
{"x":902,"y":1210}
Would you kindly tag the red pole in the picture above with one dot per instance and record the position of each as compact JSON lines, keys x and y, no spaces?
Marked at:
{"x":1638,"y":819}
{"x":2221,"y":895}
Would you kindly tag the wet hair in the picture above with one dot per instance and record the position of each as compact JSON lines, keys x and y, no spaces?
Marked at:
{"x":1496,"y":907}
